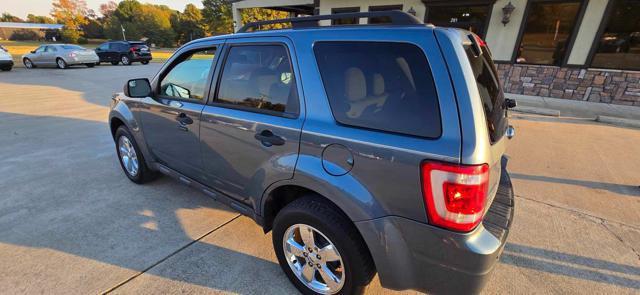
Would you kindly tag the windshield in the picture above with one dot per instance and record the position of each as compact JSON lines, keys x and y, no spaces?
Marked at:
{"x":491,"y":94}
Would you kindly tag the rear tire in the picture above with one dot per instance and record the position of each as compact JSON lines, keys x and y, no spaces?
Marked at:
{"x":115,"y":63}
{"x":328,"y":227}
{"x":90,"y":65}
{"x":145,"y":62}
{"x":6,"y":69}
{"x":125,"y":60}
{"x":131,"y":159}
{"x":98,"y":63}
{"x":28,"y":63}
{"x":61,"y":64}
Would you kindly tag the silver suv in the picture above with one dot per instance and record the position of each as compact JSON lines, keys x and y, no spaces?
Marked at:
{"x":364,"y":149}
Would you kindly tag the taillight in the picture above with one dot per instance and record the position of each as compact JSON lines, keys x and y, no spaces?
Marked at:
{"x":455,"y":195}
{"x":73,"y":54}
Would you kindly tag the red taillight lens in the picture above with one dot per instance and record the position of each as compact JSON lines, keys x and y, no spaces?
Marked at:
{"x":455,"y":195}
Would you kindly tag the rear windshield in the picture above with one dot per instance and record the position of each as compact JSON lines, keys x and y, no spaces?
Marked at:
{"x":73,"y":47}
{"x":380,"y":85}
{"x":489,"y":88}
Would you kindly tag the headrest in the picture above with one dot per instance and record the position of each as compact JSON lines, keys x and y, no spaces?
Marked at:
{"x":378,"y":85}
{"x":355,"y":85}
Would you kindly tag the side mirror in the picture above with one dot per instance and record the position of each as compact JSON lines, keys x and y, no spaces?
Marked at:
{"x":33,"y":51}
{"x":137,"y":88}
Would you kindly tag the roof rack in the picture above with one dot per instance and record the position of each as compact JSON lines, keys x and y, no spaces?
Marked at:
{"x":397,"y":17}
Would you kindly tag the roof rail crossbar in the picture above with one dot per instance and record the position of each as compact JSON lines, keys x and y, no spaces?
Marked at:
{"x":397,"y":18}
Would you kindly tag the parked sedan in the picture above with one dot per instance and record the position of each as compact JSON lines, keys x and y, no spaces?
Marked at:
{"x":6,"y":62}
{"x":61,"y":56}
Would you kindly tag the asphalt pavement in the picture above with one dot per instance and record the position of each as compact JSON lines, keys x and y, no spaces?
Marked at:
{"x":72,"y":223}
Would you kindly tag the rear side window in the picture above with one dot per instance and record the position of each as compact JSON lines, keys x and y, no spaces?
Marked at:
{"x":259,"y":78}
{"x":491,"y":94}
{"x":380,"y":85}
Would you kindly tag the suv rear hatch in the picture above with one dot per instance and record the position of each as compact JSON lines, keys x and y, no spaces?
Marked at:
{"x":140,"y":48}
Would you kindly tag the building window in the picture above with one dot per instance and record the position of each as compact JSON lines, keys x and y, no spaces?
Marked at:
{"x":472,"y":18}
{"x":383,"y":19}
{"x":619,"y":45}
{"x":547,"y":30}
{"x":345,"y":21}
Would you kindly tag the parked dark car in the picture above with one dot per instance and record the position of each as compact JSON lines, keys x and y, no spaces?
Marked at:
{"x":364,"y":148}
{"x":125,"y":52}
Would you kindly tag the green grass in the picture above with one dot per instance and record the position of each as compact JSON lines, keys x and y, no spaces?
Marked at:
{"x":19,"y":48}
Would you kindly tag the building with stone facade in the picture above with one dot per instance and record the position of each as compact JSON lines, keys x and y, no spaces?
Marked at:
{"x":574,"y":49}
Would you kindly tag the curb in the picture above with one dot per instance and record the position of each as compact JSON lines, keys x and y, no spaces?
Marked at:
{"x":618,"y":121}
{"x":537,"y":111}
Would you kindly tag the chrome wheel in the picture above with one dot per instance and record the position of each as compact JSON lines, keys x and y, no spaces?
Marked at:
{"x":28,"y":64}
{"x":314,"y":259}
{"x":125,"y":60}
{"x":128,"y":155}
{"x":61,"y":63}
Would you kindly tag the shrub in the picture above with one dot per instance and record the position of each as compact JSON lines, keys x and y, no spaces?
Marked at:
{"x":83,"y":40}
{"x":70,"y":36}
{"x":24,"y":35}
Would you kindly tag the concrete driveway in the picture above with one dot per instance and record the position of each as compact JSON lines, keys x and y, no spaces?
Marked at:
{"x":71,"y":222}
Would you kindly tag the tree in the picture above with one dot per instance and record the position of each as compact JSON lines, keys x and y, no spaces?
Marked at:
{"x":70,"y":13}
{"x":189,"y":24}
{"x":259,"y":14}
{"x":217,"y":16}
{"x":107,"y":9}
{"x":7,"y":17}
{"x":40,"y":19}
{"x":142,"y":21}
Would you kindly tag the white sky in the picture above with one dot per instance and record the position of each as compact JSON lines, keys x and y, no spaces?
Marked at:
{"x":21,"y":8}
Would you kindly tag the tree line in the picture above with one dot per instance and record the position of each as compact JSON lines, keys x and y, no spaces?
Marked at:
{"x":134,"y":20}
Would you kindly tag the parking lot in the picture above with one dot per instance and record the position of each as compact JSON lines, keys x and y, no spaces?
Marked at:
{"x":71,"y":222}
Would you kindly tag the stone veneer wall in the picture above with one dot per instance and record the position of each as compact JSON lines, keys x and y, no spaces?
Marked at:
{"x":617,"y":87}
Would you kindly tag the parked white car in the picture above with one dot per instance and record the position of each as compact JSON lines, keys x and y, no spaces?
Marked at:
{"x":61,"y":56}
{"x":6,"y":61}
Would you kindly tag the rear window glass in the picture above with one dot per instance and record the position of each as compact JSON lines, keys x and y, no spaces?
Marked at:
{"x":73,"y":47}
{"x":380,"y":85}
{"x":491,"y":94}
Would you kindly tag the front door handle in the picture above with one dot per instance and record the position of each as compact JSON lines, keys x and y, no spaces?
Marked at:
{"x":183,"y":121}
{"x":267,"y":138}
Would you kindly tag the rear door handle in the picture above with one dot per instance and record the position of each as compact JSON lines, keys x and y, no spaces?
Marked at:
{"x":267,"y":138}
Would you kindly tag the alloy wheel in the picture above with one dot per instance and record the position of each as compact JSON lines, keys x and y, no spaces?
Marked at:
{"x":128,"y":155}
{"x":28,"y":64}
{"x":61,"y":63}
{"x":125,"y":60}
{"x":314,"y":259}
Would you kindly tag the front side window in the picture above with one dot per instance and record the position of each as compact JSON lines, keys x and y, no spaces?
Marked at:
{"x":382,"y":19}
{"x":188,"y":76}
{"x":471,"y":18}
{"x":259,"y":77}
{"x":380,"y":85}
{"x":619,"y":46}
{"x":547,"y":31}
{"x":40,"y":49}
{"x":345,"y":21}
{"x":104,"y":47}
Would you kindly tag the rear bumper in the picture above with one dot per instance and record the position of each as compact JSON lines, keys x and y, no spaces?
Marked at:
{"x":414,"y":255}
{"x":141,"y":57}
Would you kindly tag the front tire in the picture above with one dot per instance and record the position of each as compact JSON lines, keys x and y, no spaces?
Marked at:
{"x":28,"y":63}
{"x":90,"y":65}
{"x":145,"y":62}
{"x":319,"y":248}
{"x":6,"y":69}
{"x":125,"y":60}
{"x":131,"y":159}
{"x":61,"y":64}
{"x":115,"y":63}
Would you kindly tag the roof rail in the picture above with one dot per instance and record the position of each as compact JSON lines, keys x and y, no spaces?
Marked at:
{"x":397,"y":17}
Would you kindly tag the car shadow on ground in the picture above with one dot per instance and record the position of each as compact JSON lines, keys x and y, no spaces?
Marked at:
{"x":87,"y":207}
{"x":628,"y":190}
{"x":570,"y":265}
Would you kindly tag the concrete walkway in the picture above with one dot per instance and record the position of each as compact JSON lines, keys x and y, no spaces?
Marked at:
{"x":574,"y":108}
